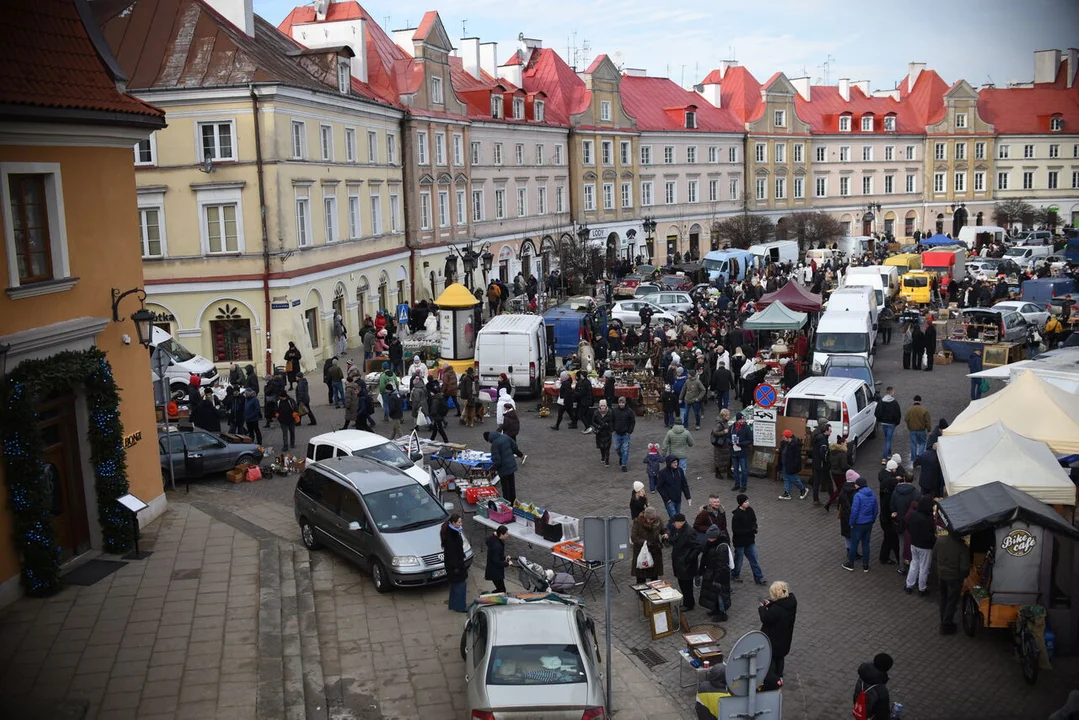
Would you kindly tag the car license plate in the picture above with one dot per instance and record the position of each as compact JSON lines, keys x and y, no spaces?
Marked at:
{"x":438,"y":573}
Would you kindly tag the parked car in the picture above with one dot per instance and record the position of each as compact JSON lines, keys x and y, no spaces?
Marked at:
{"x":207,"y":453}
{"x":626,"y":285}
{"x":675,"y":282}
{"x":646,"y":289}
{"x":1011,"y":326}
{"x":534,"y":659}
{"x":674,"y":302}
{"x":848,"y":404}
{"x":584,"y":303}
{"x":1034,"y":237}
{"x":851,"y":366}
{"x":628,"y":311}
{"x":369,"y":445}
{"x":375,"y":516}
{"x":1032,"y":313}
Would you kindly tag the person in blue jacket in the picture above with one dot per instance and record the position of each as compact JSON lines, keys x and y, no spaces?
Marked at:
{"x":974,"y":364}
{"x":863,"y":513}
{"x":741,"y":444}
{"x":671,"y":486}
{"x":252,"y":413}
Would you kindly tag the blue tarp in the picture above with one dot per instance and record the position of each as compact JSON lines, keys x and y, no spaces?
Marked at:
{"x":940,"y":240}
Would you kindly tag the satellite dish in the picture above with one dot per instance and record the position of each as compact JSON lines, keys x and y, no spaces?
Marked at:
{"x":748,"y":662}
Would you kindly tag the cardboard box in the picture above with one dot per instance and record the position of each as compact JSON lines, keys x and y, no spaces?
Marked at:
{"x":237,"y":474}
{"x":944,"y":357}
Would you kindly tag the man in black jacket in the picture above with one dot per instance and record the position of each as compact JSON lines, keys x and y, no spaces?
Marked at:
{"x":889,"y":415}
{"x":873,"y":681}
{"x":623,"y":422}
{"x":566,"y":401}
{"x":722,"y":384}
{"x":790,"y":460}
{"x":584,"y":399}
{"x":889,"y":545}
{"x":685,"y":556}
{"x":744,"y":537}
{"x":821,"y":469}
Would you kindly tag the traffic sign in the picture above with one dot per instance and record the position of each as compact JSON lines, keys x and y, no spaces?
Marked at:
{"x":765,"y":395}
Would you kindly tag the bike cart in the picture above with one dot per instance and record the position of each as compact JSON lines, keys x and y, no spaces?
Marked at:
{"x":1007,"y":529}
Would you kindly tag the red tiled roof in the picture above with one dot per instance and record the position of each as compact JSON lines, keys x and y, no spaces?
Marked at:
{"x":925,"y":101}
{"x":739,"y":93}
{"x":1029,"y":110}
{"x":49,"y":59}
{"x":648,"y":98}
{"x":825,"y":105}
{"x":336,"y":11}
{"x":566,"y":93}
{"x":426,"y":25}
{"x":514,"y":59}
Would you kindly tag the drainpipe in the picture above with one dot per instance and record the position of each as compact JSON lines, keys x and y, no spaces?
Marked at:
{"x":262,"y":218}
{"x":406,"y":179}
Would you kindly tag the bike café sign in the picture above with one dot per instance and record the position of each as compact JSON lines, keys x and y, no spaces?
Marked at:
{"x":1018,"y":543}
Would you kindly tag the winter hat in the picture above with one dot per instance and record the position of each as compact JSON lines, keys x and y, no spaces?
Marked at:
{"x":883,"y":662}
{"x":653,"y":448}
{"x":892,"y":466}
{"x":897,"y":459}
{"x":788,"y":433}
{"x":638,"y":486}
{"x":385,"y":366}
{"x":713,"y":532}
{"x":550,"y":574}
{"x":678,"y":420}
{"x":742,"y":498}
{"x":860,"y":482}
{"x":851,"y":476}
{"x":678,"y":517}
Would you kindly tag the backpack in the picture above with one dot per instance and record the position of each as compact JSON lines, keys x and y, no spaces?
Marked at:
{"x":861,"y":703}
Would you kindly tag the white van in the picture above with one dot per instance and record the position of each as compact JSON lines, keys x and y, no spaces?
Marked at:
{"x":515,"y":345}
{"x":855,"y":246}
{"x":868,"y":277}
{"x":183,"y":363}
{"x":889,"y":277}
{"x":821,"y":255}
{"x":975,"y":236}
{"x":843,"y":332}
{"x":777,"y":251}
{"x":1028,"y":256}
{"x":859,"y":298}
{"x":361,"y":443}
{"x":848,"y":404}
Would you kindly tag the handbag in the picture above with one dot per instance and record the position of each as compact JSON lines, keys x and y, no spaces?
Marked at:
{"x":303,"y":410}
{"x":561,"y":401}
{"x":296,"y":418}
{"x":644,"y":558}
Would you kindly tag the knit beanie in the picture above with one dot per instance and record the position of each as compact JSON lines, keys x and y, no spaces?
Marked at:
{"x":713,"y":532}
{"x":883,"y":662}
{"x":892,"y":466}
{"x":638,"y":486}
{"x":897,"y":459}
{"x":741,"y":499}
{"x":860,"y":482}
{"x":851,"y":476}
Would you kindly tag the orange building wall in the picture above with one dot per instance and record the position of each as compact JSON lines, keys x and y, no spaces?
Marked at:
{"x":103,"y":246}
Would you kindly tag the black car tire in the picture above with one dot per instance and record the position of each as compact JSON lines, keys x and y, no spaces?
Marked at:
{"x":246,"y":459}
{"x":307,"y":535}
{"x":464,"y":644}
{"x":379,"y":577}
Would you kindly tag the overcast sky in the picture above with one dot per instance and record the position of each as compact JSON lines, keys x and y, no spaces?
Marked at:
{"x":979,"y":40}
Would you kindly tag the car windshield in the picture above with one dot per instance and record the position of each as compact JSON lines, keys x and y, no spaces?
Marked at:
{"x":403,"y":508}
{"x":647,"y":290}
{"x":841,"y":342}
{"x":915,"y":282}
{"x":387,"y":453}
{"x":1016,"y":252}
{"x":176,"y":351}
{"x":535,"y":665}
{"x":715,"y":264}
{"x":812,"y":408}
{"x":859,"y":372}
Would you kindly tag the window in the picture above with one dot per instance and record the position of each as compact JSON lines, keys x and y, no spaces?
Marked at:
{"x":960,"y":183}
{"x":760,"y":152}
{"x":867,"y":123}
{"x":518,"y":108}
{"x":498,"y":153}
{"x":867,"y":153}
{"x":496,"y":106}
{"x":960,"y":120}
{"x":589,"y":197}
{"x":822,"y":153}
{"x":889,"y":153}
{"x":1028,"y":151}
{"x":668,"y":155}
{"x":1003,"y":152}
{"x":395,"y":210}
{"x":646,"y":154}
{"x":144,"y":151}
{"x":344,"y":76}
{"x":222,"y":231}
{"x":311,"y":322}
{"x":940,"y":151}
{"x":541,"y":200}
{"x":938,"y":182}
{"x":911,"y":152}
{"x":1053,"y":180}
{"x":606,"y":149}
{"x":732,"y":154}
{"x":713,"y":191}
{"x":458,"y":150}
{"x":421,"y":148}
{"x":844,"y":186}
{"x":539,"y":154}
{"x":443,"y":209}
{"x":1028,"y":181}
{"x":608,"y":196}
{"x":867,"y":185}
{"x":889,"y":123}
{"x":477,"y":206}
{"x":979,"y":151}
{"x":350,"y":145}
{"x":670,"y":193}
{"x":522,"y":202}
{"x":799,"y":152}
{"x":372,"y":147}
{"x":1075,"y":178}
{"x":762,"y":188}
{"x":586,"y":153}
{"x":979,"y":181}
{"x":519,"y":153}
{"x":500,"y":204}
{"x":799,"y":188}
{"x":691,"y":120}
{"x":961,"y":151}
{"x":559,"y":199}
{"x":1002,"y":181}
{"x":329,"y":212}
{"x":605,"y":110}
{"x":425,"y":210}
{"x":216,"y":141}
{"x":231,"y":339}
{"x":844,"y":123}
{"x":376,"y":215}
{"x":326,"y":142}
{"x":844,"y":153}
{"x":692,"y":191}
{"x":627,"y":195}
{"x":299,"y":140}
{"x":1056,"y":124}
{"x":436,"y":90}
{"x":354,"y":229}
{"x":391,"y":148}
{"x":538,"y":110}
{"x":691,"y":154}
{"x":822,"y":187}
{"x":624,"y":152}
{"x":781,"y":188}
{"x":733,"y":188}
{"x":781,"y":152}
{"x":779,"y":118}
{"x":150,"y":232}
{"x":646,"y":193}
{"x":911,"y":185}
{"x":1054,"y":151}
{"x":889,"y":184}
{"x":475,"y":153}
{"x":558,"y":154}
{"x":440,"y":148}
{"x":713,"y":154}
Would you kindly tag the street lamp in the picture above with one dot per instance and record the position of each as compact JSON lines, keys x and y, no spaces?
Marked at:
{"x":144,"y":325}
{"x":469,"y":256}
{"x":871,"y":208}
{"x":649,"y":225}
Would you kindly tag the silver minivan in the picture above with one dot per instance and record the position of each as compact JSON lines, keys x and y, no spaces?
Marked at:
{"x":376,"y":516}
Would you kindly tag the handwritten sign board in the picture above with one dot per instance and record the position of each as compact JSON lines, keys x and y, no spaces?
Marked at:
{"x":764,"y":427}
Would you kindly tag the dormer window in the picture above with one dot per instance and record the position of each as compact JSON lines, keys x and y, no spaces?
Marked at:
{"x":518,"y":108}
{"x":436,"y":90}
{"x":344,"y":76}
{"x":537,"y":110}
{"x":1056,"y":124}
{"x":844,"y":123}
{"x":867,"y":123}
{"x":780,"y":118}
{"x":691,"y":119}
{"x":605,"y":110}
{"x":960,"y":120}
{"x":889,"y":123}
{"x":496,"y":106}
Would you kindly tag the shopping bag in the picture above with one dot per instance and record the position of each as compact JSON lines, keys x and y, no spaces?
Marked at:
{"x":985,"y":386}
{"x":561,"y":401}
{"x":421,"y":419}
{"x":451,"y":403}
{"x":644,"y":559}
{"x":302,"y":410}
{"x":254,"y":474}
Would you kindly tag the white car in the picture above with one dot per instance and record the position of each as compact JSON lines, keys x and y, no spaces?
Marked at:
{"x":1033,"y":314}
{"x":361,"y":443}
{"x":629,"y":312}
{"x":675,"y":302}
{"x":849,"y":405}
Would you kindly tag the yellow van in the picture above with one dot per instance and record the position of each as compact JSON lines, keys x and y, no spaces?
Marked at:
{"x":916,"y":287}
{"x":905,"y":262}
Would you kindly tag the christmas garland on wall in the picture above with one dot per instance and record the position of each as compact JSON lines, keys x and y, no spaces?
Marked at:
{"x":31,"y":503}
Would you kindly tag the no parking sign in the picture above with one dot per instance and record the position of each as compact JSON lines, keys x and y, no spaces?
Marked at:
{"x":765,"y":395}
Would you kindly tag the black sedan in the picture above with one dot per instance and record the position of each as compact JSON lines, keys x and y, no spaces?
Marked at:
{"x":206,"y":453}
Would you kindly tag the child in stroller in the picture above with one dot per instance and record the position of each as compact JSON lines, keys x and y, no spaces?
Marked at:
{"x":535,"y":578}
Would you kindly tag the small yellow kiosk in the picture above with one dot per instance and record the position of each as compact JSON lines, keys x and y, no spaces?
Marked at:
{"x":457,"y":326}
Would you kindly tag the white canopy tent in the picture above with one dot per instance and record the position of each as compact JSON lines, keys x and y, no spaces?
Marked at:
{"x":996,"y":453}
{"x":1057,"y":367}
{"x":1031,"y":407}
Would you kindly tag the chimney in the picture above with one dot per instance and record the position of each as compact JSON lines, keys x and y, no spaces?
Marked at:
{"x":321,"y":6}
{"x":1072,"y":58}
{"x":470,"y":55}
{"x":1046,"y":64}
{"x":334,"y":34}
{"x":913,"y":71}
{"x":844,"y":89}
{"x":710,"y":93}
{"x":636,"y":72}
{"x":240,"y":13}
{"x":862,"y":85}
{"x":511,"y":70}
{"x":725,"y":65}
{"x":893,"y":94}
{"x":802,"y":86}
{"x":526,"y":46}
{"x":489,"y":58}
{"x":403,"y":39}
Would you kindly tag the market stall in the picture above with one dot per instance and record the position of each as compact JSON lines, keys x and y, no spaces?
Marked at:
{"x":795,"y":297}
{"x":777,"y":318}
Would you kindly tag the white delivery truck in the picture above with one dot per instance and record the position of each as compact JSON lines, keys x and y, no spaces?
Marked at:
{"x":862,"y":298}
{"x":777,"y":251}
{"x":515,"y":345}
{"x":182,"y":362}
{"x":842,"y":332}
{"x":869,"y":277}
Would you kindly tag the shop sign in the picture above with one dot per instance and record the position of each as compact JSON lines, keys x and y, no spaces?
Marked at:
{"x":164,"y":317}
{"x":1018,"y":543}
{"x":132,"y":439}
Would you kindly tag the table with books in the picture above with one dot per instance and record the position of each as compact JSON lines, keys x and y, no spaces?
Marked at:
{"x":659,"y":607}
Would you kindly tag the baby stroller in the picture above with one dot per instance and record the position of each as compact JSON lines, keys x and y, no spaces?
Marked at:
{"x":534,"y":578}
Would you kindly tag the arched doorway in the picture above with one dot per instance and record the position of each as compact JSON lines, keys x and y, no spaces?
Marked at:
{"x":363,"y":288}
{"x":889,"y":224}
{"x":847,"y":221}
{"x":613,"y":243}
{"x":339,"y":302}
{"x":867,"y":223}
{"x":781,"y":229}
{"x":505,"y":257}
{"x":528,"y":254}
{"x":695,"y":241}
{"x":910,"y":223}
{"x":546,"y":253}
{"x":979,"y":218}
{"x":383,"y":291}
{"x":940,"y":223}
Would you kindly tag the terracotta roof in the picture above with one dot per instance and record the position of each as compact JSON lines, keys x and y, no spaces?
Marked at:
{"x":1029,"y":110}
{"x":925,"y":101}
{"x":566,"y":93}
{"x":648,"y":99}
{"x":53,"y":57}
{"x":514,"y":59}
{"x":426,"y":25}
{"x":739,"y":93}
{"x":825,"y":105}
{"x":595,"y":64}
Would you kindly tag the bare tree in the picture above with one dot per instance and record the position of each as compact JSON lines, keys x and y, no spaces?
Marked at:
{"x":813,"y":229}
{"x":578,"y":259}
{"x":744,"y":230}
{"x":1011,"y":212}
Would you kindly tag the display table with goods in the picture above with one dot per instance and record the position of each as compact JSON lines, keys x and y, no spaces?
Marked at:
{"x":569,"y":556}
{"x":700,"y":654}
{"x":660,"y":607}
{"x":535,"y":526}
